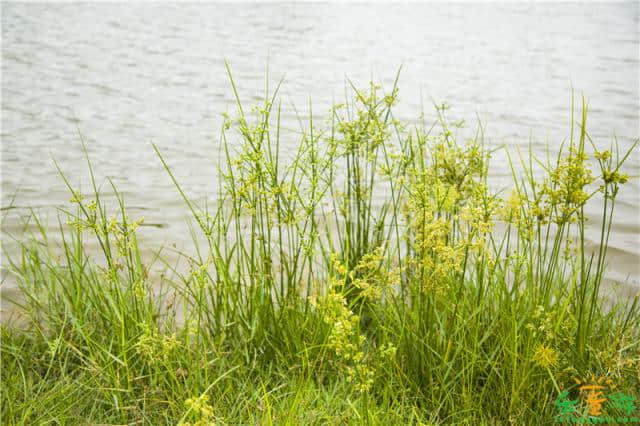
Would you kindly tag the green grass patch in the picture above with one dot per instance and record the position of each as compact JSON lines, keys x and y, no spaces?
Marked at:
{"x":372,"y":275}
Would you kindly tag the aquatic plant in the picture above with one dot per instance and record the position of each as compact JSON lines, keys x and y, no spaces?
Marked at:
{"x":374,"y":275}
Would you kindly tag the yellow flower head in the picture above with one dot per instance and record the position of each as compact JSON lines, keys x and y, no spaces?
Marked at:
{"x":545,"y":356}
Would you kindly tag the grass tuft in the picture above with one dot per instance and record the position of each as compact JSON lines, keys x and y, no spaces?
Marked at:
{"x":372,"y":276}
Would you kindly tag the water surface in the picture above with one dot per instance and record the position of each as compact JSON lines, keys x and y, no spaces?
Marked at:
{"x":126,"y":75}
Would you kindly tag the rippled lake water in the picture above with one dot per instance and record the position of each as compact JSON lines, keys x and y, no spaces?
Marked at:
{"x":128,"y":75}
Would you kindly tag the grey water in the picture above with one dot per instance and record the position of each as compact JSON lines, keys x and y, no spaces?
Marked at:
{"x":126,"y":75}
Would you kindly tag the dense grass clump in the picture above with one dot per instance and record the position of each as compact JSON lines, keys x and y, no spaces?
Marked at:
{"x":373,"y":276}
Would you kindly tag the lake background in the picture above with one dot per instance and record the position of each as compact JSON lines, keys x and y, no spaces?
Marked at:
{"x":127,"y":75}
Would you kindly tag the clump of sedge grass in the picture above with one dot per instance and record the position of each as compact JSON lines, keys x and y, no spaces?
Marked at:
{"x":374,"y":276}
